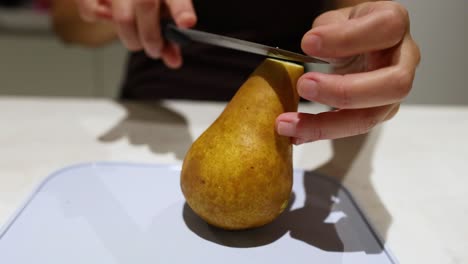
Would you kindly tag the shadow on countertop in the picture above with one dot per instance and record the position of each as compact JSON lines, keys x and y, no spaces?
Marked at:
{"x":319,"y":219}
{"x":152,"y":124}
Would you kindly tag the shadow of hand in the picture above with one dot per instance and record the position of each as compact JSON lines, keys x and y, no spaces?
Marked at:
{"x":152,"y":124}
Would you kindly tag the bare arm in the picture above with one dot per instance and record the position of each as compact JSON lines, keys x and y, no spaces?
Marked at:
{"x":72,"y":29}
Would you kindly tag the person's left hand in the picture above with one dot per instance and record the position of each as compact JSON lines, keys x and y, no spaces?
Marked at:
{"x":374,"y":60}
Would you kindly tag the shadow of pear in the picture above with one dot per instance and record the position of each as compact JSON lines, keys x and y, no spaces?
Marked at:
{"x":320,"y":220}
{"x":241,"y":238}
{"x":306,"y":224}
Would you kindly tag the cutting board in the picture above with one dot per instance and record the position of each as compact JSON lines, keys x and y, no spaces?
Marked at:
{"x":135,"y":213}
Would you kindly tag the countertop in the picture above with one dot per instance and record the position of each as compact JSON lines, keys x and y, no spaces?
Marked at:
{"x":408,"y":175}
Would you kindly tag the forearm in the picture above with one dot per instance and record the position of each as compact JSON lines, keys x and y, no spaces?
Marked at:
{"x":70,"y":28}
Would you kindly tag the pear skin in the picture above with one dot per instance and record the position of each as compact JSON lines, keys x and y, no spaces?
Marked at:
{"x":238,"y":173}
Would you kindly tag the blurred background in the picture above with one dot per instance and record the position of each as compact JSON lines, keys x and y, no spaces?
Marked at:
{"x":35,"y":63}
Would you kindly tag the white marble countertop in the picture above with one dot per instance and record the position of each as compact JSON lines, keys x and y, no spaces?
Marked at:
{"x":408,"y":175}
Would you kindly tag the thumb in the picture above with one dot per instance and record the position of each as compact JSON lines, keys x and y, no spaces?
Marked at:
{"x":365,"y":28}
{"x":311,"y":43}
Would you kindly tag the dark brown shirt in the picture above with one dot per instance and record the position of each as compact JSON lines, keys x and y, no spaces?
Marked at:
{"x":212,"y":73}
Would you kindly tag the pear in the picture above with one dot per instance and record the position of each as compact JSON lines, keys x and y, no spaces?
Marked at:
{"x":238,"y":173}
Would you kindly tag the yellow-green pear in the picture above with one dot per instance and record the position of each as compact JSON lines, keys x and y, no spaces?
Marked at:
{"x":238,"y":173}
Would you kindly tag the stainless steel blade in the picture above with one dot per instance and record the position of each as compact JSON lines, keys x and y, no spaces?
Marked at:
{"x":243,"y":45}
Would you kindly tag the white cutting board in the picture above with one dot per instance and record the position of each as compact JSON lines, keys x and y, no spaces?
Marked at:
{"x":135,"y":213}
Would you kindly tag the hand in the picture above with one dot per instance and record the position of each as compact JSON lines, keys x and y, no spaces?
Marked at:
{"x":137,"y":23}
{"x":374,"y":60}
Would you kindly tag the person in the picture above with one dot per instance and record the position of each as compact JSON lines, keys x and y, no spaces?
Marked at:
{"x":369,"y":45}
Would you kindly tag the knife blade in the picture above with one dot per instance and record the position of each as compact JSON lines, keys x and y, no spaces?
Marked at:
{"x":184,"y":37}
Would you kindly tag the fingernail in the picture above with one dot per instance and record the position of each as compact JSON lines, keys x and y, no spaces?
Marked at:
{"x":313,"y":43}
{"x":308,"y":89}
{"x":287,"y":129}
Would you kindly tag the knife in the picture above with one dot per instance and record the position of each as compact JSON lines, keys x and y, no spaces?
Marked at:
{"x":184,"y":37}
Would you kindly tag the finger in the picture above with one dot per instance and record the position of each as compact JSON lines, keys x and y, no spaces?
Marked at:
{"x":124,"y":17}
{"x":367,"y":89}
{"x":104,"y":13}
{"x":171,"y":56}
{"x":331,"y":17}
{"x":383,"y":28}
{"x":182,"y":12}
{"x":90,"y":10}
{"x":147,"y":16}
{"x":105,"y":10}
{"x":408,"y":54}
{"x":302,"y":127}
{"x":392,"y":113}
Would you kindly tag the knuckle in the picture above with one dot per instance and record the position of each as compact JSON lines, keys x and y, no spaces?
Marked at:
{"x":401,"y":10}
{"x":395,"y":24}
{"x":86,"y":13}
{"x":149,"y":37}
{"x":325,"y":18}
{"x":178,"y":4}
{"x":416,"y":52}
{"x":365,"y":122}
{"x":346,"y":38}
{"x":403,"y":82}
{"x":176,"y":7}
{"x":314,"y":133}
{"x":343,"y":99}
{"x":125,"y":18}
{"x":311,"y":133}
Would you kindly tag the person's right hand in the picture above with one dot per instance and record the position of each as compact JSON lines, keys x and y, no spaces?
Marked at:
{"x":137,"y":23}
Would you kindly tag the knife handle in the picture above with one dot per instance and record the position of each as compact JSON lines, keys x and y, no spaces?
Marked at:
{"x":173,"y":34}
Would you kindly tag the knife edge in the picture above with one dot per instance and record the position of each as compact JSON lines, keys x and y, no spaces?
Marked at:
{"x":184,"y":37}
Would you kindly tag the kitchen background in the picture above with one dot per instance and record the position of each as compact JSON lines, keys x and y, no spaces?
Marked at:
{"x":34,"y":62}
